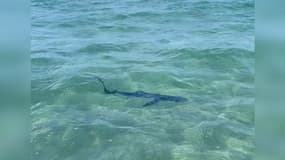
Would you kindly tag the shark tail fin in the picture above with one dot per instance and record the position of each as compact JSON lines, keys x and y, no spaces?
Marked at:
{"x":105,"y":88}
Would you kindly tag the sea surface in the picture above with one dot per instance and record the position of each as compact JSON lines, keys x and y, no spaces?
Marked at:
{"x":202,"y":50}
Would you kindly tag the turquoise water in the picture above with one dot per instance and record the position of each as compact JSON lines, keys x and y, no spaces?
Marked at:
{"x":199,"y":49}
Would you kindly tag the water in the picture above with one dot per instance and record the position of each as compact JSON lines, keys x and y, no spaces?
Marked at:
{"x":199,"y":49}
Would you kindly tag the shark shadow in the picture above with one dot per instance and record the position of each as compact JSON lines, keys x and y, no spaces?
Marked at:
{"x":156,"y":98}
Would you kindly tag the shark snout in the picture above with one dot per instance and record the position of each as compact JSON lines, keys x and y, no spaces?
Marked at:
{"x":181,"y":99}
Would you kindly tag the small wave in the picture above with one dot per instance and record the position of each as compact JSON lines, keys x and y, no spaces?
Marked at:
{"x":103,"y":47}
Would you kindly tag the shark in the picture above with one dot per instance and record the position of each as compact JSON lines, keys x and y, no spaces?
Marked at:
{"x":155,"y":97}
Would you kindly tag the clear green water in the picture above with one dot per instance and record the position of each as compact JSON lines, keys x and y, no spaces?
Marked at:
{"x":202,"y":50}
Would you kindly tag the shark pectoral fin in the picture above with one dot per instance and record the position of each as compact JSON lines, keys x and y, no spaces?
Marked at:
{"x":151,"y":102}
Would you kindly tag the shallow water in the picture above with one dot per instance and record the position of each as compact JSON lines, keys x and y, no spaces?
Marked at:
{"x":202,"y":50}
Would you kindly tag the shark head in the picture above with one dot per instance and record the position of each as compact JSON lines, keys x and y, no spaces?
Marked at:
{"x":180,"y":99}
{"x":173,"y":98}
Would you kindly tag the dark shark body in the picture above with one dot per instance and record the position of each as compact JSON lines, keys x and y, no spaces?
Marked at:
{"x":156,"y":98}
